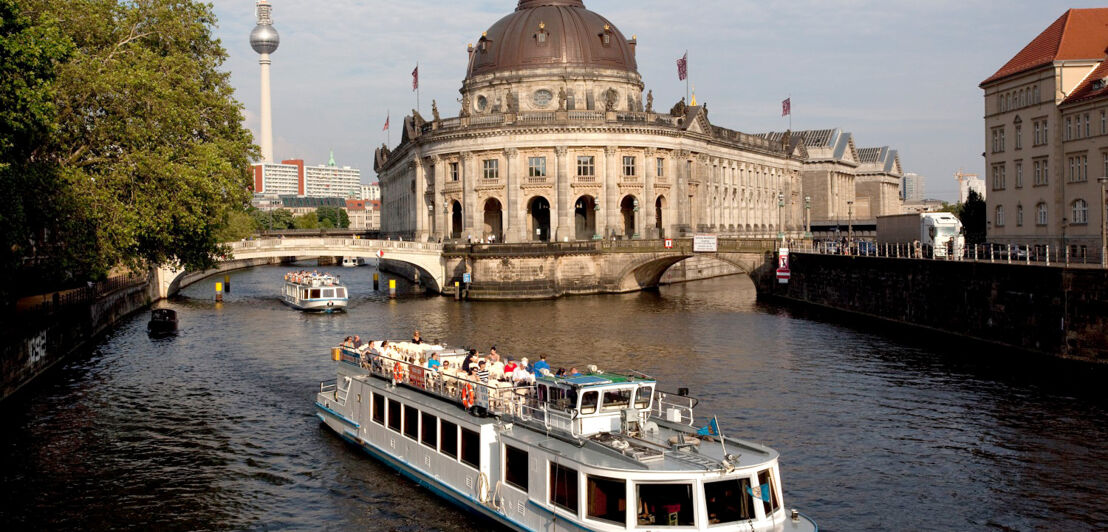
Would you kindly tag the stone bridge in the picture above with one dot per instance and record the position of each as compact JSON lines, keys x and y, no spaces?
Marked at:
{"x":500,"y":271}
{"x":534,"y":271}
{"x":427,"y":258}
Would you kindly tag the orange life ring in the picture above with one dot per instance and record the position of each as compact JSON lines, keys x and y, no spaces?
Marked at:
{"x":397,"y":372}
{"x":468,"y":396}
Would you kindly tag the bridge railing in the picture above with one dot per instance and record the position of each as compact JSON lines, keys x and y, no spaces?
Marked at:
{"x":262,"y":244}
{"x":681,"y":245}
{"x":1026,"y":254}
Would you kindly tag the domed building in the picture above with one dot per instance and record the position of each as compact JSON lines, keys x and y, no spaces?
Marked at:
{"x":557,"y":140}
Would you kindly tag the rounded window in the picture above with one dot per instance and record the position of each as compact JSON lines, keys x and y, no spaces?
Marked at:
{"x":542,"y":98}
{"x":482,"y":103}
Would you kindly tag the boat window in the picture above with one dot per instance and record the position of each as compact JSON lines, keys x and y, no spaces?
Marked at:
{"x":563,"y":487}
{"x":642,"y":397}
{"x":614,"y":400}
{"x":341,"y":292}
{"x":330,"y":292}
{"x":765,"y":479}
{"x":430,"y":436}
{"x":665,"y":505}
{"x":411,"y":422}
{"x":471,"y":448}
{"x":729,"y":501}
{"x":543,"y":393}
{"x":448,"y":443}
{"x":303,"y":294}
{"x":515,"y":467}
{"x":379,"y":409}
{"x":315,"y":294}
{"x":588,"y":402}
{"x":394,"y":415}
{"x":607,"y":499}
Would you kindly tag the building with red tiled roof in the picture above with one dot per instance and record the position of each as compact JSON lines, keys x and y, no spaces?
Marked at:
{"x":1046,"y":139}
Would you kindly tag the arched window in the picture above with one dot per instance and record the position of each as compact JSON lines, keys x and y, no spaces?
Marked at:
{"x":1040,"y":214}
{"x":999,"y":220}
{"x":1019,"y":215}
{"x":1080,"y":212}
{"x":1035,"y":95}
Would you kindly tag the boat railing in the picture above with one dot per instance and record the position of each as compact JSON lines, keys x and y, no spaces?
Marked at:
{"x":498,"y":398}
{"x":330,"y":386}
{"x":674,"y":407}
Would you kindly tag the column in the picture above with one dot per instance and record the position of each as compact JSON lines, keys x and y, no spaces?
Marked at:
{"x":564,"y":230}
{"x":612,"y":223}
{"x":704,"y":192}
{"x":646,"y":203}
{"x":419,"y":200}
{"x":438,"y":200}
{"x":681,"y":201}
{"x":469,"y":196}
{"x":512,"y":218}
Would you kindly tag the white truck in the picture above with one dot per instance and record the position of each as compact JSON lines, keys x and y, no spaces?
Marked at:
{"x":933,"y":234}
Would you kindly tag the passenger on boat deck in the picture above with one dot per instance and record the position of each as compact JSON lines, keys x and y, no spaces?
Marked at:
{"x":447,"y":370}
{"x":433,"y":362}
{"x":510,"y":366}
{"x":357,"y":341}
{"x":522,"y":377}
{"x":467,"y":364}
{"x":541,"y":365}
{"x":482,"y":372}
{"x":573,"y":372}
{"x":415,"y":338}
{"x":348,"y":343}
{"x":560,"y":373}
{"x":494,"y":357}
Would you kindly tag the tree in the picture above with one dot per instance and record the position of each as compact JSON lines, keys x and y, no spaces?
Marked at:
{"x":148,"y":143}
{"x":237,"y":226}
{"x":972,"y":215}
{"x":30,"y":52}
{"x":306,"y":221}
{"x":335,"y":216}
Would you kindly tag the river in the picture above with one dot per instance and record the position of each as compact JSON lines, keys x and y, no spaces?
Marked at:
{"x":878,"y":430}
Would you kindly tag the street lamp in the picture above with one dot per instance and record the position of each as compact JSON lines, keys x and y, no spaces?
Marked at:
{"x":1103,"y":222}
{"x":780,"y":208}
{"x":850,"y":221}
{"x":808,"y":217}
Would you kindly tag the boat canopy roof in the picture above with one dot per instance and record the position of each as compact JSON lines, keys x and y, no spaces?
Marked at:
{"x":592,"y":380}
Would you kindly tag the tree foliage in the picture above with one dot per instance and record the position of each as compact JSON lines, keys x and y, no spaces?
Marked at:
{"x":273,"y":220}
{"x":146,"y":142}
{"x":972,"y":215}
{"x":333,"y":217}
{"x":306,"y":221}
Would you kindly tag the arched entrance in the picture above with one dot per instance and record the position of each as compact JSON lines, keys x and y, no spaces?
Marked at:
{"x":456,"y":220}
{"x":538,"y":219}
{"x":628,"y":209}
{"x":584,"y":218}
{"x":659,"y":207}
{"x":494,"y":220}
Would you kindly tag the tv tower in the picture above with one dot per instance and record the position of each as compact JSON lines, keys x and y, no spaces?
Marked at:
{"x":264,"y":40}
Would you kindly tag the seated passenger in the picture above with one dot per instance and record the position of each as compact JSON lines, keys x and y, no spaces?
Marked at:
{"x":415,"y":338}
{"x":574,"y":373}
{"x":522,"y":377}
{"x":541,"y":365}
{"x":496,"y":370}
{"x":510,"y":366}
{"x":348,"y":343}
{"x":433,"y":363}
{"x":357,"y":341}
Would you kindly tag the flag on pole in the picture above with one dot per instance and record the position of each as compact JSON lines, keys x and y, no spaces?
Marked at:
{"x":711,"y":430}
{"x":683,"y":67}
{"x":387,"y":117}
{"x":415,"y":78}
{"x":759,"y":492}
{"x":787,"y":107}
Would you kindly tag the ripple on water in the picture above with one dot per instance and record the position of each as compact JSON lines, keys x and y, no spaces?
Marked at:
{"x":214,"y":429}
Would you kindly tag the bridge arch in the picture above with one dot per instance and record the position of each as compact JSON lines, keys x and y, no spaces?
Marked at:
{"x":647,"y":272}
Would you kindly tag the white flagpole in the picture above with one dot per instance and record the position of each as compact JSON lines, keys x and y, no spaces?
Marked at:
{"x":721,"y":444}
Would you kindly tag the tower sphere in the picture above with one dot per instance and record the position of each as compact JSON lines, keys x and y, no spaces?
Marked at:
{"x":264,"y":39}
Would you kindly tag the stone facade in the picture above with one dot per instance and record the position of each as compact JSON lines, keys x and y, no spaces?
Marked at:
{"x":570,"y":149}
{"x":1046,"y":138}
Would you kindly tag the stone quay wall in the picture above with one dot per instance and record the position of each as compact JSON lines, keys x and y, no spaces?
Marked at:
{"x":1050,"y":310}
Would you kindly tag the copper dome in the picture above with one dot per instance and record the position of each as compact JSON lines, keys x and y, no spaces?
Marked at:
{"x":552,"y":33}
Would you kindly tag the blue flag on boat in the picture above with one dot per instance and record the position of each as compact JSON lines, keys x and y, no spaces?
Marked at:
{"x":759,"y":492}
{"x":711,"y":430}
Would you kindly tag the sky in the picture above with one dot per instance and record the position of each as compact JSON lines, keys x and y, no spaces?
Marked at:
{"x":898,"y":73}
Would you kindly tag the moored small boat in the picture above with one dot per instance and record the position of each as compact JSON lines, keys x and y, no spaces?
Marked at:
{"x":162,"y":321}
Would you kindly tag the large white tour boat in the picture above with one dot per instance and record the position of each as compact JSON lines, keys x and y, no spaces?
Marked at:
{"x":312,"y":291}
{"x":595,"y":451}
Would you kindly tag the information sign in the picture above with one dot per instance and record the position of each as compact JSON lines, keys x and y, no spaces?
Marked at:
{"x":705,"y":244}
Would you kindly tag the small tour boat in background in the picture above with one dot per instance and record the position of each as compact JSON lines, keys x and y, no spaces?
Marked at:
{"x":316,"y":292}
{"x":162,"y":321}
{"x":352,"y":262}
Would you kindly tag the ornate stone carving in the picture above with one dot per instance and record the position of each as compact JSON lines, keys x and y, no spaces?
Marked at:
{"x":679,"y":109}
{"x":610,"y":97}
{"x":466,"y":156}
{"x":650,"y":101}
{"x":464,"y":113}
{"x":561,"y":151}
{"x":509,"y":105}
{"x":610,"y":151}
{"x":681,"y":154}
{"x":562,"y":98}
{"x":702,"y":158}
{"x":511,"y":153}
{"x":435,"y":110}
{"x":417,"y":119}
{"x":650,"y":152}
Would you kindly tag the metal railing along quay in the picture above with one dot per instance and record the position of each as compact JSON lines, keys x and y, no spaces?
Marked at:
{"x":1025,"y":254}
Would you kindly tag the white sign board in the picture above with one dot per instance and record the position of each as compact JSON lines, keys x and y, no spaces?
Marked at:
{"x":705,"y":244}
